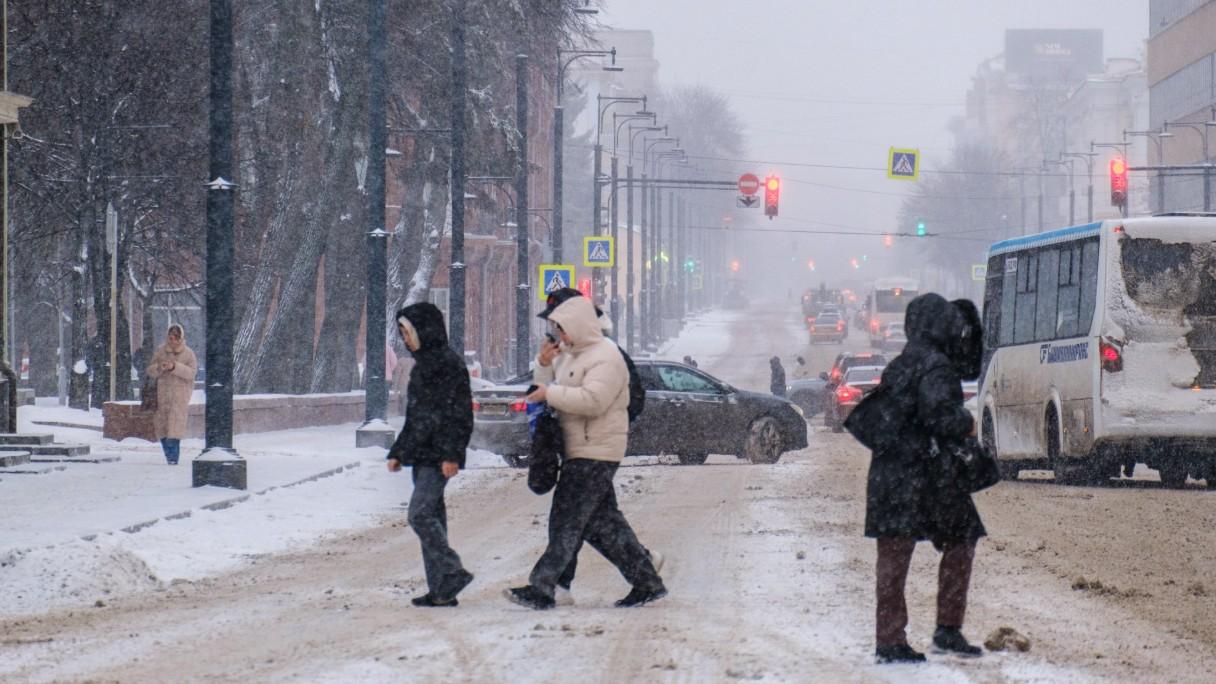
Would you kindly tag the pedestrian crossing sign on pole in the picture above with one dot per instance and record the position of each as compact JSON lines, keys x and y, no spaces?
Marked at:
{"x":903,"y":164}
{"x":599,"y":252}
{"x":554,"y":277}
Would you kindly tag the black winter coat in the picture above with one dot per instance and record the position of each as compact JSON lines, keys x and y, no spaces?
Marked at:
{"x":439,"y":409}
{"x":909,"y":493}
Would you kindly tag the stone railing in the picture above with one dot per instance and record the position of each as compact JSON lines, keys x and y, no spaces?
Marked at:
{"x":250,"y":413}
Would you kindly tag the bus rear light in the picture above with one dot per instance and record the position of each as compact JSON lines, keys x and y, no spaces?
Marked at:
{"x":1112,"y":358}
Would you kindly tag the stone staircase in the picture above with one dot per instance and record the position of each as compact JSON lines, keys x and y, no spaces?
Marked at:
{"x":40,"y":448}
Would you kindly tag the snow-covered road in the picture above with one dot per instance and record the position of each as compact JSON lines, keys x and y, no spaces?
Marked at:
{"x":769,"y":575}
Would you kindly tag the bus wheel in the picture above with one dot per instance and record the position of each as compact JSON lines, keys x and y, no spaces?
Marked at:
{"x":1009,"y":470}
{"x":1066,"y":471}
{"x":1173,"y":474}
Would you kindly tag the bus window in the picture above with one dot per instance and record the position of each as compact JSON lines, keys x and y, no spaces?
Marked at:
{"x":1023,"y":323}
{"x":1089,"y":286}
{"x":1048,"y":293}
{"x":1068,"y":313}
{"x":1009,"y":293}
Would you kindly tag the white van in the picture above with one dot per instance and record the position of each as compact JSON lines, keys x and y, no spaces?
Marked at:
{"x":1100,"y":348}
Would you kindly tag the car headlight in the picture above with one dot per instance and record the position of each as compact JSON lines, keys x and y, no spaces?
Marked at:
{"x":799,"y":411}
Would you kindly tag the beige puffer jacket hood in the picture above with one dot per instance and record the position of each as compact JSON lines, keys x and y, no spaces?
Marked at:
{"x":590,"y":386}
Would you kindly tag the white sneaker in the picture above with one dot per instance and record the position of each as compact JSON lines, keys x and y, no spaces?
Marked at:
{"x":562,"y":596}
{"x":657,"y":559}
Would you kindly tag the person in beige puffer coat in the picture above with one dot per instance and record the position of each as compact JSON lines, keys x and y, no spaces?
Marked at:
{"x":174,"y":366}
{"x":589,"y":388}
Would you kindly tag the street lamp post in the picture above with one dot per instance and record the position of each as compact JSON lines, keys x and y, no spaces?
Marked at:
{"x":375,"y":430}
{"x":1156,"y":137}
{"x":630,"y":308}
{"x":619,"y":122}
{"x":1207,"y":175}
{"x":603,"y":104}
{"x":559,"y":137}
{"x":649,"y":228}
{"x":219,"y":464}
{"x":664,"y":276}
{"x":456,"y":273}
{"x":523,"y":341}
{"x":1088,"y":158}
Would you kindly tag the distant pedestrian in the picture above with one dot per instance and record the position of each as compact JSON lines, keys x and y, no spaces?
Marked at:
{"x":802,"y":370}
{"x":690,"y":362}
{"x":173,"y":367}
{"x":908,"y":498}
{"x":590,"y":392}
{"x":777,"y":381}
{"x":438,"y":425}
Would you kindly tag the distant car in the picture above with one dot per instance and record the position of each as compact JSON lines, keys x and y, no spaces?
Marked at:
{"x":828,"y":327}
{"x":689,"y":414}
{"x":893,"y":337}
{"x":858,"y":381}
{"x":810,"y":394}
{"x":847,"y":360}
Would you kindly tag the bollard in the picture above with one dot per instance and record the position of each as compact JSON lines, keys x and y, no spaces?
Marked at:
{"x":8,"y":399}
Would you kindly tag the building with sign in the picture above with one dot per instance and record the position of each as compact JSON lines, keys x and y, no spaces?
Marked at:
{"x":1181,"y":71}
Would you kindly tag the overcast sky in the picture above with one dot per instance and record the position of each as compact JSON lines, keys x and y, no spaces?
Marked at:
{"x":840,"y":81}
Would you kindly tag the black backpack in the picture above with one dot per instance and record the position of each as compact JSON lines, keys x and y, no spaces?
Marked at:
{"x":637,"y":393}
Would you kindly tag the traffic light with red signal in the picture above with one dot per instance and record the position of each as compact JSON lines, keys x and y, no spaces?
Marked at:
{"x":734,"y":266}
{"x":1118,"y":182}
{"x":772,"y":192}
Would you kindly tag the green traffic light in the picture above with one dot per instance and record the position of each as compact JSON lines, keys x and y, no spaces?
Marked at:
{"x":920,"y":228}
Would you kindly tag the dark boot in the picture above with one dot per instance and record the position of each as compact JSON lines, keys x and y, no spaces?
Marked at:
{"x":901,"y":653}
{"x":640,"y":597}
{"x":457,"y":584}
{"x":428,"y":600}
{"x":951,"y":640}
{"x":529,"y":597}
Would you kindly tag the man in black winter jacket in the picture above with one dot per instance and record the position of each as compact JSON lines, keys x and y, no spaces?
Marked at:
{"x":438,"y":425}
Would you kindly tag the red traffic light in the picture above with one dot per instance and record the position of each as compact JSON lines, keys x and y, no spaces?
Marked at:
{"x":772,"y":192}
{"x":734,"y":266}
{"x":1118,"y":181}
{"x":584,"y":286}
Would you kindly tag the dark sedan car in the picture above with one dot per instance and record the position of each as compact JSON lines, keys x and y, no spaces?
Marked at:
{"x":689,"y":414}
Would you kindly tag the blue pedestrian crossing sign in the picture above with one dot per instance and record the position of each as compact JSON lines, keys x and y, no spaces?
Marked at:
{"x":554,"y":277}
{"x":599,"y":252}
{"x":903,"y":164}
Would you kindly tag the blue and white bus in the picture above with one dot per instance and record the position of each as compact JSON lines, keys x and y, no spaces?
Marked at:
{"x":1100,"y":345}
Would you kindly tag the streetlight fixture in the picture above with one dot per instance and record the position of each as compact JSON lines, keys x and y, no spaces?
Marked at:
{"x":1156,"y":137}
{"x":1202,"y":129}
{"x":650,"y":226}
{"x":603,"y":104}
{"x":630,"y":311}
{"x":559,"y":135}
{"x":1088,"y":158}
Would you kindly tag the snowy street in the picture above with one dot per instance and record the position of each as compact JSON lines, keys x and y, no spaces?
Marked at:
{"x":770,"y":578}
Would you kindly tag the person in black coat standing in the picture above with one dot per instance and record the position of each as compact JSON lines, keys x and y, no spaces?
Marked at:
{"x":438,"y":425}
{"x":909,"y":495}
{"x":777,"y":382}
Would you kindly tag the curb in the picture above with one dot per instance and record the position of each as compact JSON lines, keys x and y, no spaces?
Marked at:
{"x":229,"y":503}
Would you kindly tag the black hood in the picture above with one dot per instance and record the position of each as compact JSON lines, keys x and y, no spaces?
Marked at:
{"x":967,"y":350}
{"x":427,"y":319}
{"x":934,"y":322}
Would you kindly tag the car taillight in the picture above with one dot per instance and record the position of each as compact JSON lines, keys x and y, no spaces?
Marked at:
{"x":874,"y":325}
{"x":1112,"y":358}
{"x":839,"y":326}
{"x":846,"y":393}
{"x":476,"y":406}
{"x":810,"y":320}
{"x":519,"y":407}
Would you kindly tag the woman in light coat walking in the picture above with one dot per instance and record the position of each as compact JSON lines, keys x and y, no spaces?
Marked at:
{"x":174,"y":366}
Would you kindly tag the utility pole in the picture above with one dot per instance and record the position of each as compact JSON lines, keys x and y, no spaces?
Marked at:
{"x":459,"y":95}
{"x":523,"y":341}
{"x":614,"y":301}
{"x":219,"y":464}
{"x":375,"y":430}
{"x":630,"y":311}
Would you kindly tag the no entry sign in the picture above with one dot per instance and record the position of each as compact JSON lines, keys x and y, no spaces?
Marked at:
{"x":749,"y":184}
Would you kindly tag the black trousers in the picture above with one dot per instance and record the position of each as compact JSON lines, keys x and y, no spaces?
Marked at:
{"x":953,"y":581}
{"x":584,"y":508}
{"x":429,"y":517}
